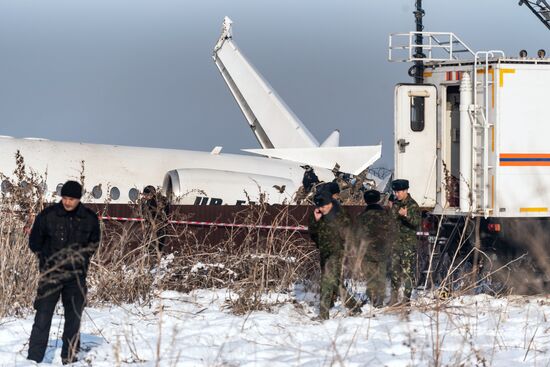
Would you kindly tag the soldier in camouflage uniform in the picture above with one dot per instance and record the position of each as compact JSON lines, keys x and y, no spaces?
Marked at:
{"x":328,"y":228}
{"x":407,"y":214}
{"x":375,"y":231}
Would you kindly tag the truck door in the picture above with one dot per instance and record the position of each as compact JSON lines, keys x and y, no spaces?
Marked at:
{"x":415,"y":140}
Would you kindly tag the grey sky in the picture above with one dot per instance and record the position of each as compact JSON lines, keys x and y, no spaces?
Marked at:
{"x":137,"y":72}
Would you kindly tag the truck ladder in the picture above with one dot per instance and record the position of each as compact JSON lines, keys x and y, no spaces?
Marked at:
{"x":479,"y":114}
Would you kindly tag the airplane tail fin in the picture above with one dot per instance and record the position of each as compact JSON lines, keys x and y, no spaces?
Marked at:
{"x":333,"y":140}
{"x":352,"y":159}
{"x":271,"y":120}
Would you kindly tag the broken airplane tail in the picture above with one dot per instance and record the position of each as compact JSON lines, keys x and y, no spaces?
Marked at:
{"x":278,"y":130}
{"x":271,"y":120}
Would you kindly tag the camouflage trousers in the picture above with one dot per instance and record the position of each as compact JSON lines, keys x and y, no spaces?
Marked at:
{"x":402,"y":270}
{"x":331,"y":272}
{"x":375,"y":275}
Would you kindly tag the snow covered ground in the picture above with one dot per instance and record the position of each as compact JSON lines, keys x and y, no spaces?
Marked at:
{"x":197,"y":329}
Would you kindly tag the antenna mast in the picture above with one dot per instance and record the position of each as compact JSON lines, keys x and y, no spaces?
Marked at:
{"x":417,"y":70}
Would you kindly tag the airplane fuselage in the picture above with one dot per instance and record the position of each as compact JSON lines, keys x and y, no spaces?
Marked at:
{"x":119,"y":173}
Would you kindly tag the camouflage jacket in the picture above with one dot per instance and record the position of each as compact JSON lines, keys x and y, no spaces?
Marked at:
{"x":409,"y":225}
{"x":329,"y":233}
{"x":375,"y":232}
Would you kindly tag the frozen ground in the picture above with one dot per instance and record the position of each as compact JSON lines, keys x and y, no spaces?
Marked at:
{"x":197,"y":329}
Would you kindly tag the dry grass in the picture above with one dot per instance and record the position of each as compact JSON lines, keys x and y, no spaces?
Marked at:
{"x":250,"y":263}
{"x":128,"y":267}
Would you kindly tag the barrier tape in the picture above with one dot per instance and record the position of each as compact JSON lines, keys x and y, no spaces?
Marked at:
{"x":211,"y":224}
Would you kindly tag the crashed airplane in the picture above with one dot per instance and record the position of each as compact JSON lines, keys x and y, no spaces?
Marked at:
{"x":193,"y":177}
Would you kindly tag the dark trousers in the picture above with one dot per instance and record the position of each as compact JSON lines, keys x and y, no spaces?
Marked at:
{"x":73,"y":297}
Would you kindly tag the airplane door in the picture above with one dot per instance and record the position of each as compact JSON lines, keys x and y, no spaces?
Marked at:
{"x":415,"y":140}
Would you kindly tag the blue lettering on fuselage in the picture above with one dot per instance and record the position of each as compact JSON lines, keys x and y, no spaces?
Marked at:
{"x":205,"y":200}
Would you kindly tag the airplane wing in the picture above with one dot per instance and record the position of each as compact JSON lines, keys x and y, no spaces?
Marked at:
{"x":271,"y":120}
{"x":352,"y":159}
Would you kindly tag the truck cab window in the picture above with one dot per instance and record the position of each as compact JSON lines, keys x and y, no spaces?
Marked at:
{"x":417,"y":113}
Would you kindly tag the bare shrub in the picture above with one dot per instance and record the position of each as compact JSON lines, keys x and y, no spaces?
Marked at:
{"x":120,"y":271}
{"x":249,"y":262}
{"x":21,"y":199}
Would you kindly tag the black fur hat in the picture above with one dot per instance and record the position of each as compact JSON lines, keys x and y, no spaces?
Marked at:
{"x":398,"y":185}
{"x":371,"y":196}
{"x":322,"y":198}
{"x":72,"y":189}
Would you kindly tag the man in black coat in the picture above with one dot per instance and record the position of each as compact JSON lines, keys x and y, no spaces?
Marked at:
{"x":310,"y":179}
{"x":64,"y":236}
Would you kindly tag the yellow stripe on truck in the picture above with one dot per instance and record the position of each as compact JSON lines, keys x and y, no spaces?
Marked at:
{"x":501,"y":75}
{"x":533,"y":210}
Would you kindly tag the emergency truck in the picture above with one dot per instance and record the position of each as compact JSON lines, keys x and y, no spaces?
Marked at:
{"x":472,"y":139}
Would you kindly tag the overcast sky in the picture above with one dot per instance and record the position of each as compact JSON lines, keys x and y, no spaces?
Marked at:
{"x":136,"y":72}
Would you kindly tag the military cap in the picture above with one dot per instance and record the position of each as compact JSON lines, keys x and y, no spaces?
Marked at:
{"x":330,"y":187}
{"x":333,"y":188}
{"x":371,"y":196}
{"x":322,"y":198}
{"x":398,"y":185}
{"x":307,"y":167}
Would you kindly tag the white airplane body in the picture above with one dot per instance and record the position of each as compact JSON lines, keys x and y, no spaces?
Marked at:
{"x":118,"y":173}
{"x":112,"y":168}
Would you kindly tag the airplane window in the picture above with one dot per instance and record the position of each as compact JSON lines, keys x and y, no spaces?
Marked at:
{"x":133,"y":194}
{"x":6,"y":186}
{"x":115,"y":193}
{"x":23,"y":184}
{"x":97,"y":192}
{"x":58,"y":189}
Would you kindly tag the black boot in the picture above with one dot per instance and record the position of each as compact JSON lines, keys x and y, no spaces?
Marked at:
{"x":68,"y":360}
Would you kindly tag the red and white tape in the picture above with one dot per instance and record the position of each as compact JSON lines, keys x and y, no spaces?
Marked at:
{"x":122,"y":219}
{"x":211,"y":224}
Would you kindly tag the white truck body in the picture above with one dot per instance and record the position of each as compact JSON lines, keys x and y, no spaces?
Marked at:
{"x":487,"y":157}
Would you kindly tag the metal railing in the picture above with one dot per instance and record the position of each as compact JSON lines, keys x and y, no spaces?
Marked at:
{"x":436,"y":46}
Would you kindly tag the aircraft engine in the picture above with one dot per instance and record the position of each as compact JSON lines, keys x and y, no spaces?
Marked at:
{"x":217,"y":187}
